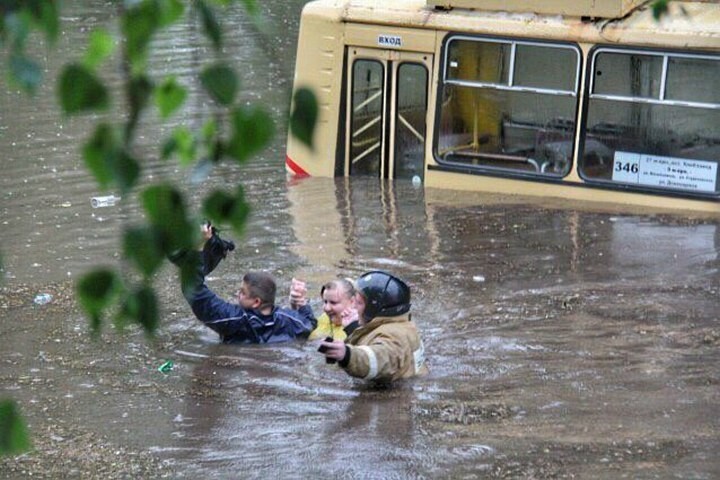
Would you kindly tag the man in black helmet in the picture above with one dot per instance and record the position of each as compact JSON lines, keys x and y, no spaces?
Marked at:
{"x":387,"y":345}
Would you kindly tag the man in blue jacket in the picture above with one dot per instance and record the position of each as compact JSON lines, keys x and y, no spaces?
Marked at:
{"x":255,"y":318}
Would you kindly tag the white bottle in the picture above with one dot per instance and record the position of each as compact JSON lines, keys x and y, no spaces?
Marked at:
{"x":106,"y":201}
{"x":42,"y":298}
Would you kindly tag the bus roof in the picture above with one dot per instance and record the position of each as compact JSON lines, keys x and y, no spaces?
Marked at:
{"x":587,"y":8}
{"x":688,"y":24}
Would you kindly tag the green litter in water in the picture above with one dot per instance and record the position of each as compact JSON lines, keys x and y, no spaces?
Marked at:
{"x":166,"y":367}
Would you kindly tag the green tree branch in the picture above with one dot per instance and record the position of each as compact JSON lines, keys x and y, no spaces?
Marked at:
{"x":235,"y":134}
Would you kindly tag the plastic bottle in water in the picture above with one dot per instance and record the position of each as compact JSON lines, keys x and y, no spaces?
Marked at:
{"x":42,"y":298}
{"x":166,"y":367}
{"x":105,"y":201}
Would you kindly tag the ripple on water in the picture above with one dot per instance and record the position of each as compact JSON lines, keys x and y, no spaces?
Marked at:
{"x":471,"y":451}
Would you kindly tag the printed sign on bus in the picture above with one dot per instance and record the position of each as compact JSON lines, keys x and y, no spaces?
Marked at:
{"x":665,"y":172}
{"x":389,"y":41}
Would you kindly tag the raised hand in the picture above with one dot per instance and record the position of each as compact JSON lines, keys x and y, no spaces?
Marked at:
{"x":298,"y":293}
{"x":348,"y":316}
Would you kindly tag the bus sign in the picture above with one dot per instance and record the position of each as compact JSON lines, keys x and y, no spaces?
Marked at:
{"x":666,"y":172}
{"x":389,"y":41}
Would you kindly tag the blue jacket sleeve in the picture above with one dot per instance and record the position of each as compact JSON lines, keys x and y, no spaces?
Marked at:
{"x":227,"y":319}
{"x":308,"y":322}
{"x":236,"y":324}
{"x":289,"y":324}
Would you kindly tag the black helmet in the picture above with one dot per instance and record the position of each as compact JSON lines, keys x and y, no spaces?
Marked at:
{"x":385,"y":295}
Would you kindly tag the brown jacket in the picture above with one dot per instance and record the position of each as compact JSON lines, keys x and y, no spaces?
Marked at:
{"x":386,"y":349}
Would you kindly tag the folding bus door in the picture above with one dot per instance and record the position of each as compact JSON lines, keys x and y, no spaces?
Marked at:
{"x":387,"y":113}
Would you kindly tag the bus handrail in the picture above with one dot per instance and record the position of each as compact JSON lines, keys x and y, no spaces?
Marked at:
{"x":500,"y":156}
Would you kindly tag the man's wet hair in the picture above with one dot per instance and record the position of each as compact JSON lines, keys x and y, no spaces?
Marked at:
{"x":346,"y":285}
{"x":261,"y":285}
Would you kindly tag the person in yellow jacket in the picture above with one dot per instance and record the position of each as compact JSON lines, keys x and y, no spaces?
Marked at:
{"x":339,"y":317}
{"x":387,"y":345}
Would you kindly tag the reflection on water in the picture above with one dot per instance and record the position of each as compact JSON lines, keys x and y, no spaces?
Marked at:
{"x":562,"y":342}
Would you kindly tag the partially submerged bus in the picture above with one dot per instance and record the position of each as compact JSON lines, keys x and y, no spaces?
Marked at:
{"x":577,"y":100}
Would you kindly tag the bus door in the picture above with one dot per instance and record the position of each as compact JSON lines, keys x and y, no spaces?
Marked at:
{"x":387,"y":113}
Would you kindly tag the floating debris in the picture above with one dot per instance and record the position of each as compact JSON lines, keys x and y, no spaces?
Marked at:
{"x":166,"y":367}
{"x":106,"y":201}
{"x":42,"y":298}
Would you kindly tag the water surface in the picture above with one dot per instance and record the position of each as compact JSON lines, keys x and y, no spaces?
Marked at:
{"x":562,"y":342}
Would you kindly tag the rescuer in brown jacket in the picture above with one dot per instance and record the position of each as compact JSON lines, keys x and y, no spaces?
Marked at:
{"x":387,"y":345}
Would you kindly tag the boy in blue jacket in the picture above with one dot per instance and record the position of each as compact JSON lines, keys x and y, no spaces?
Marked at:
{"x":255,"y":318}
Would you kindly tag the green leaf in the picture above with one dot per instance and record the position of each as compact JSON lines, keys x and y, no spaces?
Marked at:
{"x":81,"y":90}
{"x":252,"y":131}
{"x":186,"y":145}
{"x":169,"y":97}
{"x":211,"y":142}
{"x":170,"y":11}
{"x":220,"y":82}
{"x":17,"y":26}
{"x":189,"y":278}
{"x":211,"y":27}
{"x":108,"y":162}
{"x":169,"y":148}
{"x":14,"y":438}
{"x":139,"y":91}
{"x":209,"y":131}
{"x":126,"y":171}
{"x":163,"y":203}
{"x":138,"y":25}
{"x":304,"y":116}
{"x":251,"y":7}
{"x":96,"y":291}
{"x":659,"y":8}
{"x":216,"y":150}
{"x":100,"y":154}
{"x":100,"y":46}
{"x":142,"y":307}
{"x":25,"y":72}
{"x":143,"y":246}
{"x":165,"y":207}
{"x":183,"y":143}
{"x":49,"y":19}
{"x":223,"y":3}
{"x":217,"y":206}
{"x":223,"y":208}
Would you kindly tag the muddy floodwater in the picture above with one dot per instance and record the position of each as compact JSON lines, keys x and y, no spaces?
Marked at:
{"x":562,"y":341}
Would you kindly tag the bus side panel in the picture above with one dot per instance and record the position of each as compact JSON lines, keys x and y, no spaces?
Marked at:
{"x":391,"y":38}
{"x":318,"y":66}
{"x":562,"y":194}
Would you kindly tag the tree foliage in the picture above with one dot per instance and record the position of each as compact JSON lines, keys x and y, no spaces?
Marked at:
{"x":14,"y":437}
{"x":110,"y":155}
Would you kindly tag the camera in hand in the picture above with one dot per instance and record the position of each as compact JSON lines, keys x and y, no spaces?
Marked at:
{"x":323,"y":349}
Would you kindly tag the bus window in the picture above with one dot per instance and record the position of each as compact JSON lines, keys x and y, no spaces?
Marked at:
{"x":366,"y":128}
{"x":653,"y":121}
{"x":528,"y":73}
{"x":692,"y":80}
{"x":628,"y":75}
{"x":508,"y":105}
{"x":410,"y":120}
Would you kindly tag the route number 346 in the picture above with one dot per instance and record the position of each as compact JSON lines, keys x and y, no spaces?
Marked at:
{"x":629,"y":167}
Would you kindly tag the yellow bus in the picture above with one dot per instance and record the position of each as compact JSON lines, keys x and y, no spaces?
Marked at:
{"x":578,"y":100}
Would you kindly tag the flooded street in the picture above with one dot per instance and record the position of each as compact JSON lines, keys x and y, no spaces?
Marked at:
{"x":562,"y":342}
